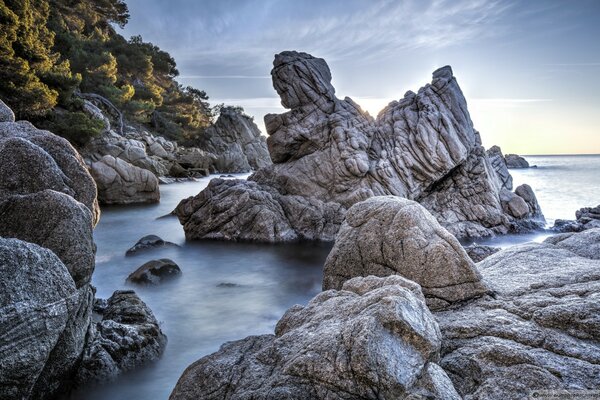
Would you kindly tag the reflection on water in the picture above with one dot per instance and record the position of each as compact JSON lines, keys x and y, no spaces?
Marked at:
{"x":231,"y":290}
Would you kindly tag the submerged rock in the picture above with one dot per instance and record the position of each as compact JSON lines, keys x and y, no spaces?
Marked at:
{"x":422,"y":147}
{"x":127,"y":336}
{"x":373,"y":339}
{"x":122,"y":183}
{"x":155,"y":271}
{"x":515,"y":161}
{"x":390,"y":235}
{"x":148,"y":242}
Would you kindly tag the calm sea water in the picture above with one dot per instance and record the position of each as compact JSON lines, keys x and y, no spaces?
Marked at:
{"x":198,"y":314}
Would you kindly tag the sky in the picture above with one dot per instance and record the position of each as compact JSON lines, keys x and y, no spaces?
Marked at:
{"x":530,"y":70}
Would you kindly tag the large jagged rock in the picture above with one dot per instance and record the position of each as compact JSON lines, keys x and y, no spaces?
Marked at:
{"x":422,"y":147}
{"x":390,"y":235}
{"x":540,"y":330}
{"x":236,"y":141}
{"x":498,"y":162}
{"x":127,"y":336}
{"x":122,"y":183}
{"x":515,"y":161}
{"x":374,"y":339}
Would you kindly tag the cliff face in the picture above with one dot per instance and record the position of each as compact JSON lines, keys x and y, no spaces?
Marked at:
{"x":422,"y":147}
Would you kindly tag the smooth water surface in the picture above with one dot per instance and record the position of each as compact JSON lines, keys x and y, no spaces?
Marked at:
{"x":231,"y":290}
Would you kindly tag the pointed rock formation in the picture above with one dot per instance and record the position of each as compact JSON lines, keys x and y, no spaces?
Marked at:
{"x":422,"y":147}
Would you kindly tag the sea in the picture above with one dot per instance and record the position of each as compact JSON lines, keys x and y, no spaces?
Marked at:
{"x":228,"y":291}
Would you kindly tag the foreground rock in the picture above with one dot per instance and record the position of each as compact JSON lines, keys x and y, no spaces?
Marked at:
{"x":539,"y":331}
{"x":148,"y":242}
{"x":389,"y":235}
{"x":586,"y":218}
{"x":127,"y":336}
{"x":154,"y":272}
{"x":422,"y":147}
{"x":515,"y":161}
{"x":122,"y":183}
{"x":236,"y":141}
{"x":374,"y":339}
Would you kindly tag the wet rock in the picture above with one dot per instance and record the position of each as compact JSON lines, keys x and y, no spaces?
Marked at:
{"x":422,"y":147}
{"x":127,"y":337}
{"x":374,"y":339}
{"x":479,"y":252}
{"x":148,"y":242}
{"x":155,"y":271}
{"x":389,"y":235}
{"x":122,"y":183}
{"x":515,"y":161}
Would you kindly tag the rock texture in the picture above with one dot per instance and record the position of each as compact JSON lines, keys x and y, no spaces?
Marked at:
{"x":6,"y":114}
{"x":390,"y":235}
{"x":515,"y":161}
{"x":375,"y":339}
{"x":155,"y":271}
{"x":236,"y":141}
{"x":586,"y":218}
{"x":540,"y":330}
{"x":422,"y":147}
{"x":148,"y":242}
{"x":122,"y":183}
{"x":478,"y":252}
{"x":498,"y":162}
{"x":127,"y":336}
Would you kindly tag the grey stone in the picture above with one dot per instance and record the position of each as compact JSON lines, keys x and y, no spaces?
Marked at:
{"x":374,"y":339}
{"x":148,"y":242}
{"x":587,"y":218}
{"x":478,"y":252}
{"x":515,"y":161}
{"x":498,"y":162}
{"x":6,"y":114}
{"x":585,"y":244}
{"x":389,"y":235}
{"x":122,"y":183}
{"x":154,"y":272}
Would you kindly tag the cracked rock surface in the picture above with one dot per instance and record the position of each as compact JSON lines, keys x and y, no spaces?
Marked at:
{"x":422,"y":147}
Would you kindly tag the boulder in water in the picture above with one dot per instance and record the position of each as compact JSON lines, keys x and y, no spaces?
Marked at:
{"x":155,"y":271}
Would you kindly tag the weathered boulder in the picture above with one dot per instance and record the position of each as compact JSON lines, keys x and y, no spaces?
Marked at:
{"x":479,"y":252}
{"x":585,"y":244}
{"x":127,"y":336}
{"x":586,"y":218}
{"x":236,"y":141}
{"x":154,"y":272}
{"x":498,"y":162}
{"x":148,"y":242}
{"x":540,"y":330}
{"x":33,"y":160}
{"x":6,"y":114}
{"x":422,"y":147}
{"x":122,"y":183}
{"x":515,"y":161}
{"x":373,"y":339}
{"x":390,"y":235}
{"x":40,"y":319}
{"x":234,"y":209}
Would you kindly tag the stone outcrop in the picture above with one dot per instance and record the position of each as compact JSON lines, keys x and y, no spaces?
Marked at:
{"x":237,"y":143}
{"x":498,"y":162}
{"x":126,"y":336}
{"x":390,"y":235}
{"x":422,"y":147}
{"x":48,"y":208}
{"x":586,"y":218}
{"x":154,"y":272}
{"x":373,"y":339}
{"x":122,"y":183}
{"x":540,"y":330}
{"x":515,"y":161}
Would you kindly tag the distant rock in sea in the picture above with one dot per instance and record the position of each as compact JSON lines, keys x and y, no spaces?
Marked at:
{"x":329,"y":154}
{"x":514,"y":161}
{"x":586,"y":218}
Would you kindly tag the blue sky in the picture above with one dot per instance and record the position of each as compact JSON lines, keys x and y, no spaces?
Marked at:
{"x":530,"y":70}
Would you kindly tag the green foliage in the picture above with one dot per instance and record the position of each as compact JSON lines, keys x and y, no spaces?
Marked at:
{"x":50,"y":49}
{"x":75,"y":126}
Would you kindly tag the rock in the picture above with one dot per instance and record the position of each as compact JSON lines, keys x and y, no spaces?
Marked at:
{"x":515,"y":161}
{"x":498,"y":162}
{"x":127,"y":336}
{"x":33,"y":160}
{"x":154,"y":272}
{"x":38,"y":305}
{"x":6,"y":114}
{"x":93,"y":111}
{"x":122,"y":183}
{"x":148,"y":242}
{"x":234,"y":209}
{"x":177,"y":171}
{"x":57,"y":222}
{"x":236,"y":141}
{"x":585,"y":244}
{"x":540,"y":330}
{"x":389,"y":235}
{"x":479,"y":252}
{"x":374,"y":339}
{"x":195,"y":158}
{"x":587,"y":218}
{"x":422,"y":147}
